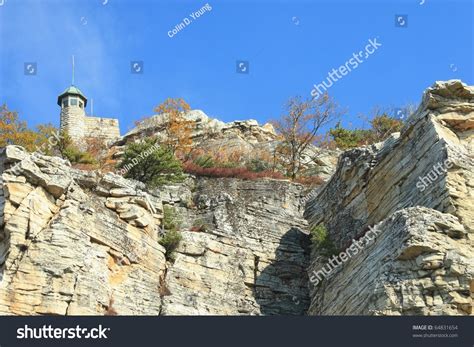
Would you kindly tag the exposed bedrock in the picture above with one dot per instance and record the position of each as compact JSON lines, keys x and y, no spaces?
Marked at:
{"x":417,"y":189}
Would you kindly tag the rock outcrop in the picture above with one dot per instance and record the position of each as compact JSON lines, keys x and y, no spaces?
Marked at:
{"x":417,"y":187}
{"x":206,"y":128}
{"x":75,"y":242}
{"x":247,"y":138}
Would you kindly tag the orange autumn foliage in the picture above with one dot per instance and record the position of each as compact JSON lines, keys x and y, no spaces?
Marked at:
{"x":13,"y":131}
{"x":179,"y":129}
{"x":103,"y":155}
{"x":299,"y":128}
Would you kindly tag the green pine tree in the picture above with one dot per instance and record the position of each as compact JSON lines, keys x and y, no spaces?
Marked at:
{"x":151,"y":164}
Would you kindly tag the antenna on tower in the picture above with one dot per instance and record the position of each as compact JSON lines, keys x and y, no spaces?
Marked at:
{"x":92,"y":107}
{"x":73,"y":70}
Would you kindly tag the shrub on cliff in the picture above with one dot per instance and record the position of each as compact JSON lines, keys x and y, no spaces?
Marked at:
{"x":171,"y":220}
{"x":76,"y":156}
{"x":172,"y":237}
{"x":382,"y":125}
{"x":321,"y":242}
{"x":347,"y":138}
{"x":151,"y":164}
{"x":170,"y":241}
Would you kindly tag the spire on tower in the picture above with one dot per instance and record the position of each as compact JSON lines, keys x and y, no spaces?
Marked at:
{"x":72,"y":70}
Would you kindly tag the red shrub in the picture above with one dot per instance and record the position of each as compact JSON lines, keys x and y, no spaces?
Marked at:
{"x":237,"y":172}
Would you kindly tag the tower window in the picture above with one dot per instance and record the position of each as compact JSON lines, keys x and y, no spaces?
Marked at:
{"x":65,"y":102}
{"x":73,"y":101}
{"x":81,"y":104}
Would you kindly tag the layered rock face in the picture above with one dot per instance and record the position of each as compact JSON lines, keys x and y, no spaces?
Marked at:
{"x":74,"y":243}
{"x":243,"y":250}
{"x":417,"y":189}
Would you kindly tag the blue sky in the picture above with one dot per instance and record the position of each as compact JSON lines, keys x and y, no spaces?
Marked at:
{"x":290,"y":45}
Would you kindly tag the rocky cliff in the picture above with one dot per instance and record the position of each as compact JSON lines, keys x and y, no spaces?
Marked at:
{"x":74,"y":242}
{"x":243,"y":250}
{"x":417,"y":189}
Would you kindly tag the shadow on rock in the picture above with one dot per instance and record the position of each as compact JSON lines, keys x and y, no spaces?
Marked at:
{"x":281,"y":288}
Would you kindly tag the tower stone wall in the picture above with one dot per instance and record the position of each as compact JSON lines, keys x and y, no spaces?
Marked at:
{"x":78,"y":126}
{"x":104,"y":128}
{"x":72,"y":121}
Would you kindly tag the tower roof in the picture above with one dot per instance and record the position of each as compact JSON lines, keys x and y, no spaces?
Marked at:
{"x":72,"y":90}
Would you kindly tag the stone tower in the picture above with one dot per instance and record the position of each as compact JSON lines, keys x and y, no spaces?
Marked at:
{"x":72,"y":120}
{"x":78,"y":125}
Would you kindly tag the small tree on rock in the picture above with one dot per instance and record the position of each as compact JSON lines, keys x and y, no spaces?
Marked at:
{"x":299,"y":128}
{"x":383,"y":126}
{"x":151,"y":164}
{"x":179,"y":129}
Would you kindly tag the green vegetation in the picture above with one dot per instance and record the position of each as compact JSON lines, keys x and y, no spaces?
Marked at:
{"x":205,"y":161}
{"x":346,"y":138}
{"x":258,"y":165}
{"x":320,"y":241}
{"x":171,"y":223}
{"x":382,"y":127}
{"x":76,"y":156}
{"x":170,"y":241}
{"x":66,"y":148}
{"x":151,"y":164}
{"x":171,"y":219}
